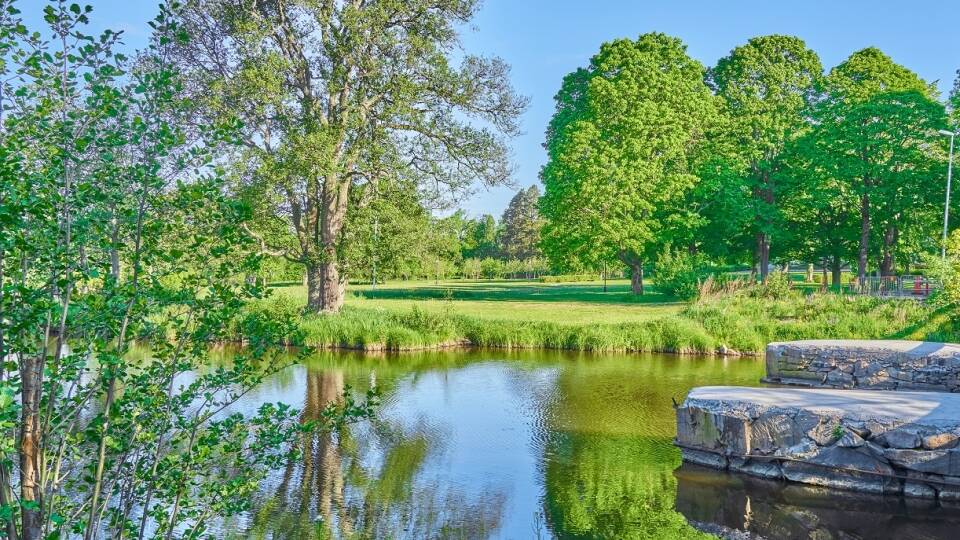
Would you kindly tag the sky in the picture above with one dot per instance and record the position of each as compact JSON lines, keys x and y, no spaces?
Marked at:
{"x":543,"y":40}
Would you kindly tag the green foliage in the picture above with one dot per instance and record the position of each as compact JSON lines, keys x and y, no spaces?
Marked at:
{"x":618,"y":145}
{"x":392,"y":109}
{"x":115,"y":227}
{"x":768,"y":85}
{"x":679,"y":274}
{"x":520,"y":238}
{"x":777,"y":287}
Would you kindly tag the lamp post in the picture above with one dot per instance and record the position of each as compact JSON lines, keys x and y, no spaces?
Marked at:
{"x":946,"y":206}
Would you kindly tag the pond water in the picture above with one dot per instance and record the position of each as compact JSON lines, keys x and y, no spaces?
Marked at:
{"x":489,"y":444}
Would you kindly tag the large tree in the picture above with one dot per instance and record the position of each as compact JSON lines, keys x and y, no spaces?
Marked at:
{"x":520,"y":238}
{"x":619,"y":149}
{"x":874,"y":131}
{"x":768,"y":85}
{"x":336,"y":97}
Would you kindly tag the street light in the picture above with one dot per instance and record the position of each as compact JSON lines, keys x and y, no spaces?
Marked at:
{"x":946,"y":206}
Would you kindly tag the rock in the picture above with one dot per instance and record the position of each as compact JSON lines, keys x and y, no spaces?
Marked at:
{"x":771,"y":431}
{"x":860,"y":428}
{"x":850,"y":440}
{"x":879,"y":364}
{"x":824,"y":433}
{"x":942,"y":462}
{"x":900,"y":438}
{"x":867,"y":441}
{"x":939,"y":441}
{"x":840,"y":378}
{"x":707,"y":459}
{"x":763,"y":469}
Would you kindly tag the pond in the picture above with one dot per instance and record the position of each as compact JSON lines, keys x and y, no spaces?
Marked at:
{"x":491,"y":444}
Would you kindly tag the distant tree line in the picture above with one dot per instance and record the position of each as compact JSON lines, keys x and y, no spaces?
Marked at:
{"x":764,"y":157}
{"x":414,"y":244}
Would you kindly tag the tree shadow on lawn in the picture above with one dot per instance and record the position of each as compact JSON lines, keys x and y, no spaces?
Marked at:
{"x":513,"y":291}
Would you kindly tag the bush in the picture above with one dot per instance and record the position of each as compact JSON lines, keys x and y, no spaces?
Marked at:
{"x":491,"y":268}
{"x":777,"y":287}
{"x":677,"y":274}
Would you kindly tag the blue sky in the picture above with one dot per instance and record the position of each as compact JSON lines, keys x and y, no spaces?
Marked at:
{"x":545,"y":39}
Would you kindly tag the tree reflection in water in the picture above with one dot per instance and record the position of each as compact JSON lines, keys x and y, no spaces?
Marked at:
{"x":366,"y":481}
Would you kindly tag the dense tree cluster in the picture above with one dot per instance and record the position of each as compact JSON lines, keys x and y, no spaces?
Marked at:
{"x":763,"y":157}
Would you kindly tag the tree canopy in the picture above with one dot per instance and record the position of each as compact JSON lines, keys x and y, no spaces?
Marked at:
{"x":620,"y":149}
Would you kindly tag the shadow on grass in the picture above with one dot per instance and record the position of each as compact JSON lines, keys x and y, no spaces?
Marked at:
{"x":513,"y":291}
{"x":939,"y":326}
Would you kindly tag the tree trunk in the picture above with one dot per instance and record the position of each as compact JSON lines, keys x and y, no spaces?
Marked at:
{"x":835,"y":270}
{"x":763,"y":255}
{"x":864,"y":250}
{"x":32,"y":369}
{"x":636,"y":277}
{"x":325,"y":288}
{"x":889,"y":243}
{"x":823,"y":275}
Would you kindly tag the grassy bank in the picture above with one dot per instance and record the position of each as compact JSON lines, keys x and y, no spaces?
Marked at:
{"x":582,"y":317}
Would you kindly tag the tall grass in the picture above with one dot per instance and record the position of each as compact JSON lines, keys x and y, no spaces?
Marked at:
{"x":742,"y":321}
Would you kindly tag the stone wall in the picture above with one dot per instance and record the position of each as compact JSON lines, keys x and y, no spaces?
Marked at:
{"x":874,"y":365}
{"x":870,"y":442}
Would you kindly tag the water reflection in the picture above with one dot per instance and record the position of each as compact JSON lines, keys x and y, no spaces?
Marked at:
{"x":723,"y":503}
{"x":486,"y":445}
{"x":361,"y":482}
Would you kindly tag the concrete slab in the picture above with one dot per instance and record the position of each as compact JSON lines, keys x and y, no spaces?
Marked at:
{"x":924,"y":408}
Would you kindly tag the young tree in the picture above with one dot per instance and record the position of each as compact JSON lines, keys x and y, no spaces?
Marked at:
{"x":114,"y":227}
{"x":520,"y":238}
{"x":336,"y":97}
{"x":767,"y":85}
{"x":619,"y":148}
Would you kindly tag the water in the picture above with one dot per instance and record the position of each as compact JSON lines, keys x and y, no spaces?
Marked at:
{"x":490,"y":444}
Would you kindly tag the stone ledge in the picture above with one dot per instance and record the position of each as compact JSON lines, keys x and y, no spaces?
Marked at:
{"x":876,"y":365}
{"x":871,"y":442}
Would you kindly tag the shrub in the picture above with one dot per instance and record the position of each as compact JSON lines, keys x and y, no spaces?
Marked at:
{"x":777,"y":287}
{"x":491,"y":268}
{"x":678,"y":274}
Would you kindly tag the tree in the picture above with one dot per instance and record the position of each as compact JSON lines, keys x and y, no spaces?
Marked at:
{"x":619,"y":148}
{"x":818,"y":209}
{"x":953,"y":102}
{"x":521,"y":224}
{"x":114,"y":230}
{"x":873,"y":132}
{"x":481,"y":240}
{"x":768,"y":86}
{"x":336,"y":97}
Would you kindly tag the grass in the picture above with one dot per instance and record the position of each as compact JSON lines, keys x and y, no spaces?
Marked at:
{"x":580,"y":316}
{"x":512,"y":300}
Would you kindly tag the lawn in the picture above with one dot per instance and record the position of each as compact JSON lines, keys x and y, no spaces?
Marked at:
{"x":515,"y":300}
{"x":580,"y":316}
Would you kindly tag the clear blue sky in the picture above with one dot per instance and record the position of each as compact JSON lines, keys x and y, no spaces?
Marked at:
{"x":545,"y":39}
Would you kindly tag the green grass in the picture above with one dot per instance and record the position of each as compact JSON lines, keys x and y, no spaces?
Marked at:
{"x":513,"y":300}
{"x":580,"y":316}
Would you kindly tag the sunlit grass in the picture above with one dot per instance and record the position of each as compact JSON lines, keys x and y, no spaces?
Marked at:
{"x":562,"y":303}
{"x":581,"y":317}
